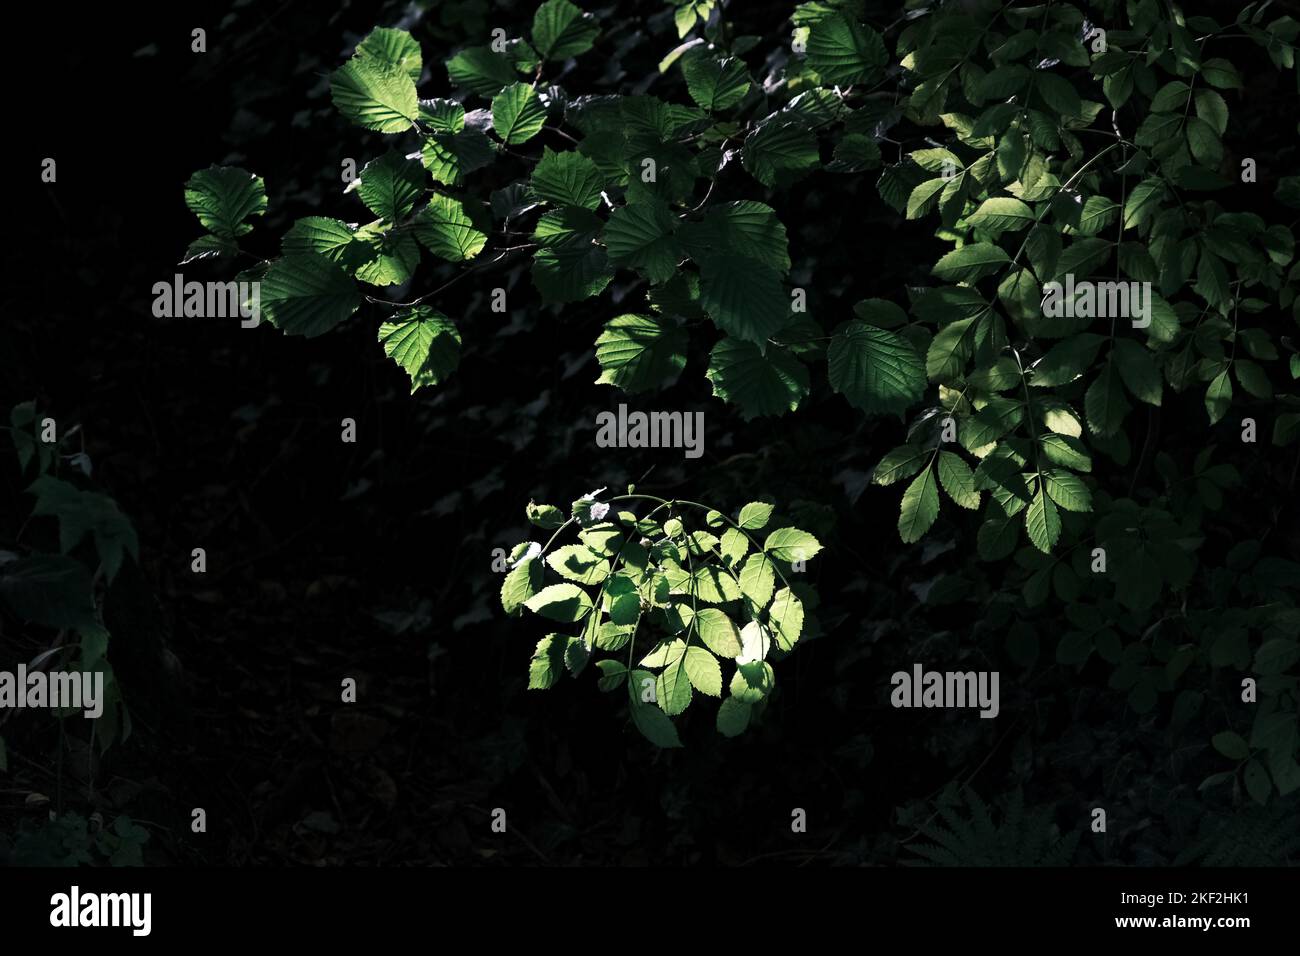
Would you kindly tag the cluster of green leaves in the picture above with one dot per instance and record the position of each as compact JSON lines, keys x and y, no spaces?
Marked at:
{"x":620,"y":183}
{"x":57,"y":590}
{"x":1098,"y":157}
{"x":674,"y":604}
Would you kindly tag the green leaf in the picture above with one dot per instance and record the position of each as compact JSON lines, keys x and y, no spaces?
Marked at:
{"x":1065,"y":450}
{"x":903,"y":462}
{"x":714,"y":84}
{"x":673,"y":687}
{"x":307,"y":294}
{"x":1137,"y":368}
{"x":612,"y":675}
{"x":517,"y":113}
{"x":375,"y":96}
{"x":640,"y":235}
{"x":791,"y":544}
{"x":560,"y":602}
{"x":640,"y":352}
{"x":392,"y":256}
{"x":770,"y":383}
{"x":1000,"y":214}
{"x":1058,"y":93}
{"x":956,"y":478}
{"x":752,"y":682}
{"x":733,"y":717}
{"x":1104,"y":402}
{"x":743,"y":297}
{"x":779,"y":152}
{"x":1231,"y":745}
{"x":744,"y":228}
{"x":445,"y":229}
{"x":919,"y":508}
{"x":1213,"y":110}
{"x":1043,"y":522}
{"x":754,"y":516}
{"x":424,"y":342}
{"x":562,"y":30}
{"x":570,"y":266}
{"x":1067,"y":490}
{"x":522,"y":582}
{"x":481,"y":71}
{"x":758,"y":579}
{"x":209,"y":247}
{"x":567,"y":179}
{"x":785,"y":619}
{"x":390,"y":185}
{"x":970,"y":262}
{"x":718,"y":632}
{"x":1218,"y":397}
{"x":703,"y":671}
{"x":334,"y":239}
{"x":649,"y":719}
{"x":949,"y":350}
{"x":843,"y":51}
{"x":393,"y":49}
{"x":877,"y":370}
{"x":547,"y":665}
{"x":223,"y":197}
{"x":578,"y":563}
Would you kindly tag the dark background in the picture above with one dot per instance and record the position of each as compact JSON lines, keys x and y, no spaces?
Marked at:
{"x":373,"y":560}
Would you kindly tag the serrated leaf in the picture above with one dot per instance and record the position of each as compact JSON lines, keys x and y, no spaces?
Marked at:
{"x":390,"y":186}
{"x":480,"y":70}
{"x":754,"y":516}
{"x":1218,"y":397}
{"x":843,"y":51}
{"x":779,"y":152}
{"x":718,"y":632}
{"x":877,"y":370}
{"x":375,"y":96}
{"x":640,"y":352}
{"x":715,"y":84}
{"x":1067,"y":490}
{"x":517,"y":113}
{"x":919,"y":507}
{"x":791,"y":544}
{"x":770,"y":383}
{"x":970,"y":262}
{"x":956,"y":478}
{"x":703,"y":671}
{"x":1043,"y":522}
{"x":424,"y":342}
{"x":744,"y":228}
{"x":640,"y":235}
{"x":562,"y":30}
{"x":758,"y":579}
{"x":567,"y":179}
{"x":445,"y":229}
{"x":547,"y":665}
{"x":560,"y":602}
{"x":1000,"y":214}
{"x":307,"y":294}
{"x":785,"y":619}
{"x":222,"y":197}
{"x":578,"y":563}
